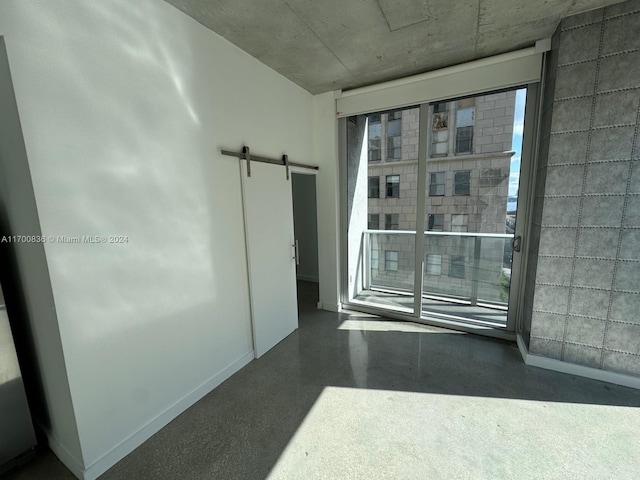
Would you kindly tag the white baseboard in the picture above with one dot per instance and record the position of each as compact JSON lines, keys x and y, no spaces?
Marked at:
{"x":67,"y":458}
{"x":329,"y":307}
{"x":524,"y":351}
{"x":308,"y":278}
{"x":129,"y":444}
{"x":574,"y":369}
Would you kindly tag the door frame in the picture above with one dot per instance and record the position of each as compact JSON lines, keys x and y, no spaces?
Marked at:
{"x":524,"y":215}
{"x":313,"y":173}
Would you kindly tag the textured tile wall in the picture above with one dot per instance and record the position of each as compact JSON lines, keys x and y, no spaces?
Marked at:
{"x":582,"y":298}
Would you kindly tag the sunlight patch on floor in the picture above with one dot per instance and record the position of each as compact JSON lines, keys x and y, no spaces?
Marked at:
{"x":376,"y":325}
{"x":357,"y":433}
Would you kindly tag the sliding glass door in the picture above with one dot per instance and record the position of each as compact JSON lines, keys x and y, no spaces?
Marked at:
{"x":436,"y":186}
{"x":472,"y":174}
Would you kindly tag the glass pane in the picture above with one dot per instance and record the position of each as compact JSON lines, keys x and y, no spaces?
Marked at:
{"x":464,"y":140}
{"x":393,"y":186}
{"x":374,"y":134}
{"x":381,"y":230}
{"x":374,"y":187}
{"x":392,"y":221}
{"x":394,"y":128}
{"x":464,"y":117}
{"x":470,"y":214}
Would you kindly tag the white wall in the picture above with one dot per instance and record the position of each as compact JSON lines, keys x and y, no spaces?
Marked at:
{"x":305,"y":223}
{"x":325,"y":154}
{"x":124,"y":107}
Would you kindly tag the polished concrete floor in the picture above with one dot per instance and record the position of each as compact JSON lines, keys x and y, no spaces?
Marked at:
{"x":356,"y":397}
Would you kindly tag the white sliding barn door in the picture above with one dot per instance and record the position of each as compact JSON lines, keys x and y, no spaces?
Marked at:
{"x":268,"y":214}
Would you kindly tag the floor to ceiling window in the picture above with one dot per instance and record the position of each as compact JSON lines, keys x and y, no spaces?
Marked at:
{"x":447,"y":172}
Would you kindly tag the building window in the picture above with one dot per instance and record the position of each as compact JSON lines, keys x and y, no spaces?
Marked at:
{"x":391,"y":221}
{"x":459,"y":223}
{"x":374,"y":187}
{"x":434,"y":264}
{"x":436,"y":184}
{"x":441,"y":107}
{"x":435,"y":222}
{"x":465,"y":117}
{"x":391,"y":261}
{"x":374,"y":259}
{"x":375,"y":135}
{"x":394,"y":135}
{"x":373,"y":221}
{"x":469,"y":102}
{"x":456,"y":266}
{"x":440,"y":130}
{"x":464,"y":139}
{"x":461,"y":183}
{"x":393,"y":186}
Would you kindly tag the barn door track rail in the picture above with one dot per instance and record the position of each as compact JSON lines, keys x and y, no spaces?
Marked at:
{"x":245,"y":154}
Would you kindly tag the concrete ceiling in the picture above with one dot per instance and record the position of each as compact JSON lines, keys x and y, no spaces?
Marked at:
{"x":325,"y":45}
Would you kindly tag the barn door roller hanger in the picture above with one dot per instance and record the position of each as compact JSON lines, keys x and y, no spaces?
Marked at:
{"x":245,"y":154}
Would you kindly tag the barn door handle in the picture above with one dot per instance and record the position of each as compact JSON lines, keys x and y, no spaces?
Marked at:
{"x":296,"y":255}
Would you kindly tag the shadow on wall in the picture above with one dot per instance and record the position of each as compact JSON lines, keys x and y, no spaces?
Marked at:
{"x":118,"y":147}
{"x":16,"y":308}
{"x":357,"y":158}
{"x":123,"y":178}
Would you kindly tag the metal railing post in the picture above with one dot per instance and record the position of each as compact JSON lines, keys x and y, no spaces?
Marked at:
{"x":366,"y":263}
{"x":476,"y":270}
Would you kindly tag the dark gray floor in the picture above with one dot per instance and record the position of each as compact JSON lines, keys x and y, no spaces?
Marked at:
{"x":352,"y":396}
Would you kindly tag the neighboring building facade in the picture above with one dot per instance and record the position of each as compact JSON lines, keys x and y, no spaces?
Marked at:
{"x":468,"y":166}
{"x":469,"y":161}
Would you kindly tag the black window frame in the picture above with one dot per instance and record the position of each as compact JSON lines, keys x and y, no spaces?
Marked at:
{"x":433,"y":186}
{"x":464,"y":140}
{"x":394,"y":151}
{"x":459,"y":186}
{"x":373,"y":190}
{"x":391,"y":186}
{"x":431,"y":222}
{"x":440,"y":107}
{"x":371,"y":222}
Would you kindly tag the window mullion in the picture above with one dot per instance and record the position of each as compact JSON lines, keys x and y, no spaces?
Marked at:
{"x":424,"y":140}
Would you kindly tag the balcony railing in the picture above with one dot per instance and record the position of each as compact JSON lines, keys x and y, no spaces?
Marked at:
{"x":469,"y":268}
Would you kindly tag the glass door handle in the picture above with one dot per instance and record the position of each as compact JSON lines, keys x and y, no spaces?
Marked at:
{"x":516,"y":243}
